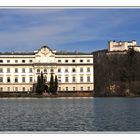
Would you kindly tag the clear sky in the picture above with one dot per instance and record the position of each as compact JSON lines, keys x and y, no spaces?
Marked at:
{"x":70,"y":29}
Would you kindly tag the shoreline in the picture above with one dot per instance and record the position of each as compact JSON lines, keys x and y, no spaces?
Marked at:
{"x":47,"y":98}
{"x":35,"y":95}
{"x":59,"y":95}
{"x":68,"y":97}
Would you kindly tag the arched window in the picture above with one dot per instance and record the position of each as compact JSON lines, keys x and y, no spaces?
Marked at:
{"x":38,"y":70}
{"x":45,"y":70}
{"x":52,"y":70}
{"x":45,"y":79}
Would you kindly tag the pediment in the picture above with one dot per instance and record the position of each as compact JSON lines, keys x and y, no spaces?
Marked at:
{"x":44,"y":51}
{"x":45,"y":55}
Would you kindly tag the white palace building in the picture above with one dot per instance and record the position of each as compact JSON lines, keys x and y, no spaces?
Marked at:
{"x":19,"y":71}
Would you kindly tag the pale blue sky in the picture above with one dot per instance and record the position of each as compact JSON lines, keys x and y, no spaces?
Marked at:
{"x":70,"y":29}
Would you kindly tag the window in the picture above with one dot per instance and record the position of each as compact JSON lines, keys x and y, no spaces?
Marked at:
{"x":45,"y":78}
{"x":30,"y":70}
{"x":81,"y":88}
{"x":45,"y":70}
{"x":1,"y":89}
{"x":8,"y":88}
{"x":1,"y":61}
{"x":1,"y":79}
{"x":73,"y":61}
{"x":23,"y":88}
{"x":73,"y":70}
{"x":1,"y":70}
{"x":81,"y":69}
{"x":31,"y":88}
{"x":59,"y":79}
{"x":81,"y":79}
{"x":8,"y":70}
{"x":88,"y":88}
{"x":30,"y":61}
{"x":38,"y":70}
{"x":73,"y":79}
{"x":66,"y":79}
{"x":16,"y":79}
{"x":16,"y":88}
{"x":81,"y":60}
{"x":88,"y":78}
{"x":8,"y":61}
{"x":66,"y":88}
{"x":59,"y":88}
{"x":66,"y":61}
{"x":31,"y":79}
{"x":16,"y":61}
{"x":52,"y":70}
{"x":23,"y":61}
{"x":88,"y":69}
{"x":88,"y":60}
{"x":23,"y":79}
{"x":59,"y":60}
{"x":66,"y":70}
{"x":8,"y":79}
{"x":59,"y":70}
{"x":16,"y":70}
{"x":23,"y":70}
{"x":73,"y":88}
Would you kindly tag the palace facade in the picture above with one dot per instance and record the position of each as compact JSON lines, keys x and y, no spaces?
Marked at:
{"x":19,"y":71}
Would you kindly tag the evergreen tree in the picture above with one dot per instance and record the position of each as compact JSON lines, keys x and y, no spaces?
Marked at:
{"x":56,"y":84}
{"x":51,"y":88}
{"x":40,"y":84}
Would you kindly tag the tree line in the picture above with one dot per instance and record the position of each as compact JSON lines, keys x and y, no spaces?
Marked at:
{"x":117,"y":74}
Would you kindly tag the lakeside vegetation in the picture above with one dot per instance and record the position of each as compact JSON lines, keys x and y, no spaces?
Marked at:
{"x":34,"y":95}
{"x":42,"y":87}
{"x":117,"y":74}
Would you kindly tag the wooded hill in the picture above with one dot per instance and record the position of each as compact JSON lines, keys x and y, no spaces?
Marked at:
{"x":117,"y":74}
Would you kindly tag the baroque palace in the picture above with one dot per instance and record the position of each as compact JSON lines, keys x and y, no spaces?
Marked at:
{"x":19,"y":71}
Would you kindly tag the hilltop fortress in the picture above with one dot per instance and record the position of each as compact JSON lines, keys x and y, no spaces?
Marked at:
{"x":122,"y":46}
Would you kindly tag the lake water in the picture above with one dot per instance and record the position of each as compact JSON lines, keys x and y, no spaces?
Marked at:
{"x":70,"y":114}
